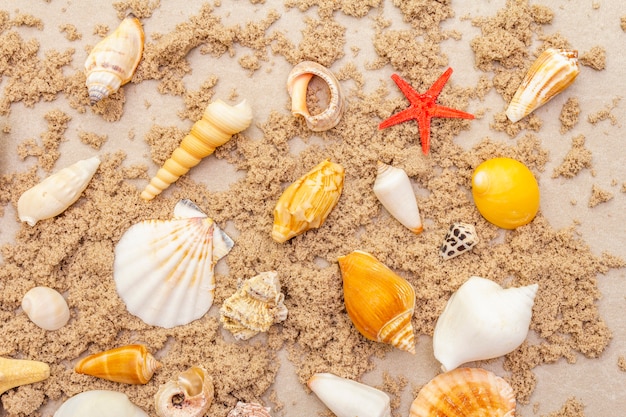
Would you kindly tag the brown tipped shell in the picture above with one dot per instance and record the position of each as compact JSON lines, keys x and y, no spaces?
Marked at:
{"x":219,"y":123}
{"x":249,"y":410}
{"x":17,"y":372}
{"x":306,"y":203}
{"x":190,"y":395}
{"x":465,"y":392}
{"x":379,"y":302}
{"x":551,"y":73}
{"x":131,"y":364}
{"x":113,"y":61}
{"x":297,"y":86}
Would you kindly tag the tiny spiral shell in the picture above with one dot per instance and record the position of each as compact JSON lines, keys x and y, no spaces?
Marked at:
{"x":219,"y":123}
{"x":46,"y":308}
{"x":113,"y":61}
{"x":189,"y":395}
{"x":131,"y":364}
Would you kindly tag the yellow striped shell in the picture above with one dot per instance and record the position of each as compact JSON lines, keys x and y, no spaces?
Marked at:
{"x":113,"y":61}
{"x":552,"y":72}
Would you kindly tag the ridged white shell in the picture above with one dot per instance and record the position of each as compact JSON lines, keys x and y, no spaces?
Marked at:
{"x":190,"y":395}
{"x":482,"y":320}
{"x":113,"y":61}
{"x":46,"y":308}
{"x":163,"y":269}
{"x":99,"y":403}
{"x":56,"y":193}
{"x":348,"y":398}
{"x":394,"y":190}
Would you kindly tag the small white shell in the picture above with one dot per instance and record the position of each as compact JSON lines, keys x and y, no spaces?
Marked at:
{"x":163,"y":269}
{"x":482,"y":320}
{"x":249,"y":410}
{"x":394,"y":190}
{"x":348,"y":398}
{"x":99,"y":403}
{"x":46,"y":308}
{"x":190,"y":395}
{"x":57,"y":192}
{"x":297,"y":84}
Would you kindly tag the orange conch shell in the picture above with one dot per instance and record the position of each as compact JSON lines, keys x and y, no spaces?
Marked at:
{"x":131,"y":364}
{"x":218,"y":124}
{"x":380,"y":303}
{"x":465,"y":392}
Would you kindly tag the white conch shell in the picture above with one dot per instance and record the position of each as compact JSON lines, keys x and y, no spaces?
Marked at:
{"x":394,"y":190}
{"x":348,"y":398}
{"x":163,"y":269}
{"x":482,"y":320}
{"x":190,"y":395}
{"x":56,"y":193}
{"x":249,"y":410}
{"x":46,"y":308}
{"x":297,"y":84}
{"x":254,"y":307}
{"x":99,"y":403}
{"x":552,"y":72}
{"x":113,"y":61}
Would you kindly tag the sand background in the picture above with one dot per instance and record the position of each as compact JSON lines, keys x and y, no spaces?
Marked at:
{"x":595,"y":382}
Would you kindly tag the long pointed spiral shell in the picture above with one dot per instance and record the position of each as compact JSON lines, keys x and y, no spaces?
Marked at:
{"x":380,"y":303}
{"x":113,"y":61}
{"x":297,"y":85}
{"x":16,"y":372}
{"x":131,"y":364}
{"x":56,"y":193}
{"x":219,"y":123}
{"x":99,"y":403}
{"x":551,"y":73}
{"x":190,"y":395}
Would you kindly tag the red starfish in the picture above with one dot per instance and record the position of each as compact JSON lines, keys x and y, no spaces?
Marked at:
{"x":423,"y":108}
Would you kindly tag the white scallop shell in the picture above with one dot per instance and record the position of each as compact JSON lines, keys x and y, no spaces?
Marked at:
{"x":56,"y":193}
{"x":99,"y":403}
{"x":482,"y":320}
{"x":394,"y":190}
{"x":348,"y":398}
{"x":163,"y":269}
{"x":46,"y":308}
{"x":189,"y":395}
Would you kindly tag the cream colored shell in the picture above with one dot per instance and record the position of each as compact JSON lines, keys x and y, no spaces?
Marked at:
{"x":254,"y":307}
{"x":56,"y":193}
{"x":99,"y":403}
{"x":190,"y":395}
{"x":17,"y":372}
{"x":46,"y":308}
{"x":249,"y":410}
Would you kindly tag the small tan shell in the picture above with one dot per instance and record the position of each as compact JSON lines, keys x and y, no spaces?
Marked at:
{"x":16,"y":372}
{"x":113,"y":61}
{"x":190,"y":395}
{"x":254,"y":307}
{"x":131,"y":364}
{"x":249,"y":410}
{"x":297,"y":85}
{"x":46,"y":308}
{"x":552,"y":72}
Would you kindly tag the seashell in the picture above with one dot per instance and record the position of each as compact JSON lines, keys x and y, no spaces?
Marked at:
{"x":552,"y":72}
{"x":306,"y":203}
{"x":505,"y":192}
{"x":249,"y":410}
{"x":56,"y":193}
{"x":348,"y":398}
{"x":17,"y":372}
{"x":190,"y":395}
{"x":254,"y":307}
{"x":218,"y":124}
{"x":481,"y":321}
{"x":163,"y":269}
{"x":113,"y":61}
{"x":297,"y":85}
{"x":99,"y":403}
{"x":46,"y":308}
{"x":465,"y":392}
{"x":460,"y":238}
{"x":131,"y":364}
{"x":394,"y":190}
{"x":380,"y":303}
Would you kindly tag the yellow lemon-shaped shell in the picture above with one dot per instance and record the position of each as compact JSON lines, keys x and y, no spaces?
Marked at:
{"x":505,"y":192}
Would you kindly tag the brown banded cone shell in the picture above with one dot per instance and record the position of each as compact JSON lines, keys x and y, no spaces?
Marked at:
{"x":131,"y":364}
{"x":379,"y":302}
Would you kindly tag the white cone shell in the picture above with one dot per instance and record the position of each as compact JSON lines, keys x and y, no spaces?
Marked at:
{"x":394,"y":190}
{"x":99,"y":403}
{"x":481,"y":321}
{"x":56,"y":193}
{"x":348,"y":398}
{"x":163,"y":270}
{"x":46,"y":308}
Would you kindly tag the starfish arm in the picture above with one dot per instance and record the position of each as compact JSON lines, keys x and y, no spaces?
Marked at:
{"x":423,"y":124}
{"x":402,"y":116}
{"x":408,"y":91}
{"x":436,"y":88}
{"x":443,"y":111}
